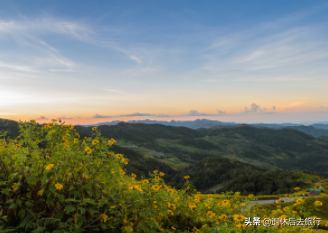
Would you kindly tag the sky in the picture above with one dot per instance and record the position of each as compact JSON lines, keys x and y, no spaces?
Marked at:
{"x":94,"y":61}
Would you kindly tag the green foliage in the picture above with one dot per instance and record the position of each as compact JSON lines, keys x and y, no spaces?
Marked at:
{"x":140,"y":164}
{"x":60,"y":185}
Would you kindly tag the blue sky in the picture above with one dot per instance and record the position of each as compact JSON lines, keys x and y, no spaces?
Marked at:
{"x":84,"y":61}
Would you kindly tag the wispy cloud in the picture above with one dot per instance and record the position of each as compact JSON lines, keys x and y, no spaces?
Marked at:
{"x":254,"y":108}
{"x":26,"y":27}
{"x":288,"y":53}
{"x":196,"y":113}
{"x":42,"y":118}
{"x":137,"y":114}
{"x":64,"y":118}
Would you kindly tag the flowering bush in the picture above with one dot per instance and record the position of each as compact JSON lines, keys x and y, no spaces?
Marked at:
{"x":52,"y":180}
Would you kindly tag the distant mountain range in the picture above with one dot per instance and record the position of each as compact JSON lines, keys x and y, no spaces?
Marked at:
{"x":316,"y":130}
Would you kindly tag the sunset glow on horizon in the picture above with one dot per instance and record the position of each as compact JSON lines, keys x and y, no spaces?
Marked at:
{"x":87,"y":62}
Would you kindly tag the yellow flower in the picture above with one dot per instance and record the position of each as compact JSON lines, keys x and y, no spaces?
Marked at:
{"x":238,"y":217}
{"x":240,"y":225}
{"x":113,"y":141}
{"x":171,"y":212}
{"x":186,"y":177}
{"x":14,"y":186}
{"x":318,"y":203}
{"x":237,"y":193}
{"x":104,"y":217}
{"x":59,"y":186}
{"x":94,"y":128}
{"x":171,"y":206}
{"x":133,"y":175}
{"x":297,"y":188}
{"x":40,"y":192}
{"x":124,"y":161}
{"x":161,"y":174}
{"x":155,"y":171}
{"x":223,"y":217}
{"x":251,"y":196}
{"x":88,"y":150}
{"x":173,"y":227}
{"x":135,"y":187}
{"x":47,"y":156}
{"x":49,"y":166}
{"x":113,"y":206}
{"x":76,"y":140}
{"x":155,"y":187}
{"x":192,"y":205}
{"x":210,"y":214}
{"x":294,"y":212}
{"x":225,"y":203}
{"x":94,"y":142}
{"x":286,"y":208}
{"x":145,"y":181}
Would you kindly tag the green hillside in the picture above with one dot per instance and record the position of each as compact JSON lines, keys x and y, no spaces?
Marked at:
{"x":167,"y":148}
{"x":285,"y":148}
{"x":245,"y":178}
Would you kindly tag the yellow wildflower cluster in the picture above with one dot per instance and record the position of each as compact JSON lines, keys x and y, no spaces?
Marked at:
{"x":49,"y":166}
{"x":318,"y":203}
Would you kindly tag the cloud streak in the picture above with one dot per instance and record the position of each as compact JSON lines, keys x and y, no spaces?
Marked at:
{"x":256,"y":109}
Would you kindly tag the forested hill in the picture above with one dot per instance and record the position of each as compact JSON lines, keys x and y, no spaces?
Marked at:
{"x":181,"y":146}
{"x":314,"y":130}
{"x":237,"y":176}
{"x":10,"y":126}
{"x":284,"y":148}
{"x":143,"y":133}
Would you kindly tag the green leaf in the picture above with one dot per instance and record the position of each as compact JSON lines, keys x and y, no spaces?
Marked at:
{"x":70,"y":208}
{"x":71,"y":200}
{"x":52,"y":188}
{"x":19,"y":203}
{"x":206,"y":229}
{"x":21,"y":213}
{"x":31,"y":180}
{"x":10,"y":201}
{"x":77,"y":194}
{"x":5,"y":191}
{"x":59,"y":215}
{"x":12,"y":206}
{"x":28,"y":204}
{"x":50,"y":200}
{"x":39,"y":230}
{"x":81,"y":220}
{"x":49,"y":174}
{"x":61,"y":197}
